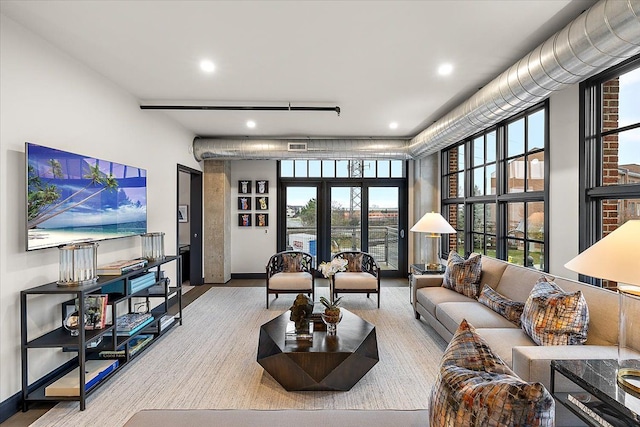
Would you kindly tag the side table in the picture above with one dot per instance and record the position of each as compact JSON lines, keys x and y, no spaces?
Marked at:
{"x":601,"y":402}
{"x":419,"y":270}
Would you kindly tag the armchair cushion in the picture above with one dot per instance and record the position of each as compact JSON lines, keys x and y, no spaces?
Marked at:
{"x":291,"y":263}
{"x":354,"y":262}
{"x":291,"y":281}
{"x":355,"y":280}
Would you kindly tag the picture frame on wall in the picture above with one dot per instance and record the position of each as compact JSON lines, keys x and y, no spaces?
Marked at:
{"x":244,"y":220}
{"x":183,"y":213}
{"x":262,"y":203}
{"x":262,"y":220}
{"x":244,"y":203}
{"x":244,"y":186}
{"x":262,"y":186}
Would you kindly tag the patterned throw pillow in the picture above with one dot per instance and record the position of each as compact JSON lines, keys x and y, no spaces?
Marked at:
{"x":475,"y":388}
{"x":463,"y":275}
{"x":354,"y":262}
{"x":554,"y":317}
{"x":291,"y":263}
{"x":507,"y":308}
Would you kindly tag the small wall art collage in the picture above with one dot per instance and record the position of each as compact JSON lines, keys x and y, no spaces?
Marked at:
{"x":247,"y":202}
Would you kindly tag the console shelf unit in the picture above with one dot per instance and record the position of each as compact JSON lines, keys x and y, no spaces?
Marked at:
{"x":61,"y":338}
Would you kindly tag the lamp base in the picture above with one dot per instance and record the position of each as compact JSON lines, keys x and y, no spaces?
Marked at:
{"x":624,"y":374}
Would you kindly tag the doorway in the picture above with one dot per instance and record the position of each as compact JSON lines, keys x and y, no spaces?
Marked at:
{"x":189,"y":223}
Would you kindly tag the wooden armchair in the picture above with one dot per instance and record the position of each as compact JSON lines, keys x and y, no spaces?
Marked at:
{"x":290,"y":272}
{"x":362,"y":275}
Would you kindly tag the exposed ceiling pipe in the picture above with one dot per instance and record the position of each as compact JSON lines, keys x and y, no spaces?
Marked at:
{"x":605,"y":35}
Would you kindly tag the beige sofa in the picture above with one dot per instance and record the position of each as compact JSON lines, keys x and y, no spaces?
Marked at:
{"x":443,"y":309}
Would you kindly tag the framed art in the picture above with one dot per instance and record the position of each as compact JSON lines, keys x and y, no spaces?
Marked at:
{"x":244,"y":203}
{"x":183,"y":213}
{"x":262,"y":220}
{"x":262,"y":203}
{"x":262,"y":187}
{"x":244,"y":220}
{"x":244,"y":186}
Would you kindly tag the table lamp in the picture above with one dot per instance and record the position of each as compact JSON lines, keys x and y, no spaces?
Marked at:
{"x":615,"y":257}
{"x":434,"y":225}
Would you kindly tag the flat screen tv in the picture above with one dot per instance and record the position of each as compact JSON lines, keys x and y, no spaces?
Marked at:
{"x":75,"y":198}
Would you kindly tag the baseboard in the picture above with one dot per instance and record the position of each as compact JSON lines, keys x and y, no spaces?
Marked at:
{"x":13,"y":404}
{"x":249,"y":276}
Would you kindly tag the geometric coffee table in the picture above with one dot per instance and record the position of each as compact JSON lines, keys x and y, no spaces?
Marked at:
{"x":329,"y":363}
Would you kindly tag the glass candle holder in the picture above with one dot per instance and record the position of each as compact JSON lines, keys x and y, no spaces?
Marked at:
{"x":78,"y":264}
{"x":153,"y":246}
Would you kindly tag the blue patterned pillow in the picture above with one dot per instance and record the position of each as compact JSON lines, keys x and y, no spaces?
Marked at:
{"x":463,"y":275}
{"x":554,"y":317}
{"x":475,"y":388}
{"x":507,"y":308}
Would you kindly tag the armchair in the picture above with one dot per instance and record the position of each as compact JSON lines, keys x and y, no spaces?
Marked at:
{"x":362,"y":275}
{"x":290,"y":272}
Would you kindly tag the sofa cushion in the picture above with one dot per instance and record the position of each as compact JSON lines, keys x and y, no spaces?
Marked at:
{"x":474,"y":387}
{"x":503,"y":340}
{"x":291,"y":281}
{"x":291,"y":263}
{"x":492,"y":271}
{"x":463,"y":275}
{"x":430,"y":297}
{"x":517,"y":281}
{"x":554,"y":317}
{"x":509,"y":309}
{"x":360,"y":280}
{"x":450,"y":314}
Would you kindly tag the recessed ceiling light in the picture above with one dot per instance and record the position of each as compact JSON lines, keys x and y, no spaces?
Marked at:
{"x":445,"y":69}
{"x":393,"y":125}
{"x":251,"y":124}
{"x":207,"y":66}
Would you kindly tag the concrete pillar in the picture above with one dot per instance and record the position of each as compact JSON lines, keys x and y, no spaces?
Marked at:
{"x":217,"y":221}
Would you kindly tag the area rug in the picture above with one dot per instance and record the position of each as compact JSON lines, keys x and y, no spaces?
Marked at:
{"x":210,"y":363}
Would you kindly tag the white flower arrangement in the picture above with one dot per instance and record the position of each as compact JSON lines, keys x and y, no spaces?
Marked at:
{"x":328,"y":269}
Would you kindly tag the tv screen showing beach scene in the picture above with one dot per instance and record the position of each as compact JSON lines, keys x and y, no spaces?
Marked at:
{"x":73,"y":198}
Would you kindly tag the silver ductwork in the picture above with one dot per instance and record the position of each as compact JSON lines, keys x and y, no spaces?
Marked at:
{"x":604,"y":35}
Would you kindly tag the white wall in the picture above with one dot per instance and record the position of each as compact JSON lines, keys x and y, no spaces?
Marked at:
{"x":48,"y":98}
{"x":252,"y":246}
{"x":563,"y":185}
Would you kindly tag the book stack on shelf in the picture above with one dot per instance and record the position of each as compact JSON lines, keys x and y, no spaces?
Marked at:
{"x":69,"y":385}
{"x":135,"y":345}
{"x":165,"y":321}
{"x":130,"y":323}
{"x":123,"y":266}
{"x":135,"y":284}
{"x":95,"y":311}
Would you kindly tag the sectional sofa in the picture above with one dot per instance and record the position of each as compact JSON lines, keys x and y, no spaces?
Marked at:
{"x":444,"y":309}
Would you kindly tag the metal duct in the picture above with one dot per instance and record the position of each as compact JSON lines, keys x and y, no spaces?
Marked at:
{"x":605,"y":35}
{"x":279,"y":149}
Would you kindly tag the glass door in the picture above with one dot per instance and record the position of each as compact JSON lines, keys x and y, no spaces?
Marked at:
{"x":384,"y":229}
{"x":302,"y":220}
{"x":346,"y":219}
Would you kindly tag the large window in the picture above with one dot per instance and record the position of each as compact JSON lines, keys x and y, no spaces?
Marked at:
{"x":610,"y":170}
{"x":494,"y":190}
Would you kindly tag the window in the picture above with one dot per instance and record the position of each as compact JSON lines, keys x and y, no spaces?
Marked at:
{"x":495,"y":191}
{"x":610,"y":172}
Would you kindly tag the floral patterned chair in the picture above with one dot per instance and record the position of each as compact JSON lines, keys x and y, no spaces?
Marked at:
{"x":290,"y":272}
{"x":361,"y":276}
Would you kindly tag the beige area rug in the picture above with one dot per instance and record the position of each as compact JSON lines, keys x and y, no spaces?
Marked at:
{"x":210,"y":363}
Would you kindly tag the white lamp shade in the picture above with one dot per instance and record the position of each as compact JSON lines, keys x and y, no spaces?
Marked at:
{"x":433,"y":222}
{"x":615,"y":257}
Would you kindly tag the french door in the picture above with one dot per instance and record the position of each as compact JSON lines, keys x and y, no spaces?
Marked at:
{"x":329,"y":216}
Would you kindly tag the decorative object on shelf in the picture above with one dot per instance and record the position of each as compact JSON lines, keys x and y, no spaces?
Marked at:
{"x":244,"y":203}
{"x":614,"y":257}
{"x":332,"y":314}
{"x":262,"y":187}
{"x":434,"y":225}
{"x":262,"y":203}
{"x":300,"y":312}
{"x":336,"y":265}
{"x":244,"y":186}
{"x":78,"y":264}
{"x":153,"y":246}
{"x":71,"y":323}
{"x":183,"y":213}
{"x":262,"y":220}
{"x":244,"y":220}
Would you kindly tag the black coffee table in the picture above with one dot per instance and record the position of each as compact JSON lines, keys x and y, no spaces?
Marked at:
{"x":328,"y":363}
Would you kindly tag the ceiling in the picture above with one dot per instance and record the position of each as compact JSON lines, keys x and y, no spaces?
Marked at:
{"x":376,"y":60}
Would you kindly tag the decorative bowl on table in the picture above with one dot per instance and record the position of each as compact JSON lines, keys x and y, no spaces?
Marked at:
{"x":331,"y":321}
